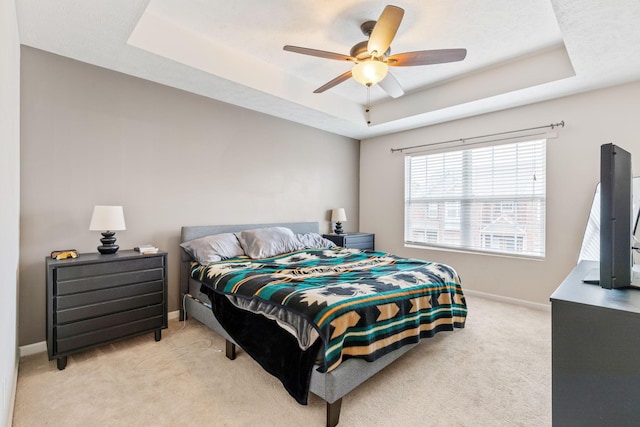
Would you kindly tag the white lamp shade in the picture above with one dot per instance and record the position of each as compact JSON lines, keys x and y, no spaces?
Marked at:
{"x":338,"y":215}
{"x":107,"y":218}
{"x":369,"y":72}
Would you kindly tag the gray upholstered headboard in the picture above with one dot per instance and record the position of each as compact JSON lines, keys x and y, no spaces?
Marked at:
{"x":190,"y":232}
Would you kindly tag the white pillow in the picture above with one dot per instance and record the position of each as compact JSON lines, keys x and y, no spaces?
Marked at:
{"x":213,"y":248}
{"x":268,"y":242}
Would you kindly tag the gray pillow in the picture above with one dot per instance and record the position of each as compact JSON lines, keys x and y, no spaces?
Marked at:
{"x":314,"y":240}
{"x":268,"y":242}
{"x":213,"y":248}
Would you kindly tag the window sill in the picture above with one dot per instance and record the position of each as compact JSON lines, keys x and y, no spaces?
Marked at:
{"x":470,"y":252}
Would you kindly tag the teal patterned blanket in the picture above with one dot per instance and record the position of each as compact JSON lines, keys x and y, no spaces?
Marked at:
{"x":361,"y":303}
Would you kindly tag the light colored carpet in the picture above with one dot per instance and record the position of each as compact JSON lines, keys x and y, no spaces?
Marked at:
{"x":495,"y":372}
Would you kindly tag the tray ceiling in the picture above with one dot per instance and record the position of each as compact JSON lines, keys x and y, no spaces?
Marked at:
{"x":518,"y":53}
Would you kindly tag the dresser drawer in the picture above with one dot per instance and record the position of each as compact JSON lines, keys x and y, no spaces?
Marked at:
{"x":103,"y":308}
{"x":85,"y":284}
{"x":108,"y":334}
{"x":98,"y":323}
{"x":96,"y":269}
{"x":362,"y":241}
{"x":104,"y":295}
{"x":359,"y":241}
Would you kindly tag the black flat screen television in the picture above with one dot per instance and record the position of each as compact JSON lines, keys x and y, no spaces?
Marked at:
{"x":616,"y":211}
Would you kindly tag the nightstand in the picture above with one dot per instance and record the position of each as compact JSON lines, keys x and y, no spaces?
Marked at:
{"x":363,"y":241}
{"x":97,"y":299}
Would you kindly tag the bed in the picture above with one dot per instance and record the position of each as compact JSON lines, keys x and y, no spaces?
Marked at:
{"x":320,"y":368}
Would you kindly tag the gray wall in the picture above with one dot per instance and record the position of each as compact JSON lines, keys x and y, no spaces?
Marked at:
{"x":573,"y":170}
{"x":9,"y":205}
{"x":93,"y":136}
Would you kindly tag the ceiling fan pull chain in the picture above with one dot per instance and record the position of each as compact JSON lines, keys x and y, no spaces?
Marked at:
{"x":368,"y":107}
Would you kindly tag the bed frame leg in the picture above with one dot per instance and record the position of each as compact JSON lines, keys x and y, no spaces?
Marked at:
{"x":333,"y":413}
{"x":231,"y":350}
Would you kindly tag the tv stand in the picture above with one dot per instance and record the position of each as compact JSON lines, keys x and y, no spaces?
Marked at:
{"x":595,"y":358}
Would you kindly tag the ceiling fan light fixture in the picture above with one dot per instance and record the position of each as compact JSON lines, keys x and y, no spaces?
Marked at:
{"x":369,"y":72}
{"x":372,"y":57}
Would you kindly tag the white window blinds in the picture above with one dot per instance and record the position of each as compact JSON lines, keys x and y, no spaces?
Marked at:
{"x":489,"y":199}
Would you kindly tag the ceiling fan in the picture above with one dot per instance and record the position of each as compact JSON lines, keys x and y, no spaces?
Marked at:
{"x":372,"y":57}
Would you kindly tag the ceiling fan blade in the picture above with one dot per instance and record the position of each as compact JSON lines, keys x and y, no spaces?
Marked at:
{"x":385,"y":30}
{"x":427,"y":57}
{"x":341,"y":78}
{"x":390,"y":85}
{"x":319,"y":53}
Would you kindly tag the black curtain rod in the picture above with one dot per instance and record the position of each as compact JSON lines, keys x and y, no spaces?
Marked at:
{"x":463,"y":140}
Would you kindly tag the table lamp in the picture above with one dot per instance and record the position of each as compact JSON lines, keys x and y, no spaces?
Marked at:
{"x":109,"y":219}
{"x":338,"y":216}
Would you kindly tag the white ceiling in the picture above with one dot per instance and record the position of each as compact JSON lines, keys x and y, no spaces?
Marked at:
{"x":519,"y":52}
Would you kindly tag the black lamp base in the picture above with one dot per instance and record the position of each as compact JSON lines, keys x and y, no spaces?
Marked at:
{"x":338,"y":229}
{"x":108,"y":243}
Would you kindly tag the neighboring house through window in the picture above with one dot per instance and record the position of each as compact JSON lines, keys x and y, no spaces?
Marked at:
{"x":489,"y":199}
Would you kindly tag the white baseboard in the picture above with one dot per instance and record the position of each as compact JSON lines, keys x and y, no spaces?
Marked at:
{"x":35,"y":348}
{"x":40,"y":347}
{"x":529,"y":304}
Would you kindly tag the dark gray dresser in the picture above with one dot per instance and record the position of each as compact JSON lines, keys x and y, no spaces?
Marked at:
{"x":96,"y":299}
{"x":595,"y":353}
{"x":363,"y":241}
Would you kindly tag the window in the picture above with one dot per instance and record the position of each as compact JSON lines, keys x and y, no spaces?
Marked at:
{"x":489,"y":199}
